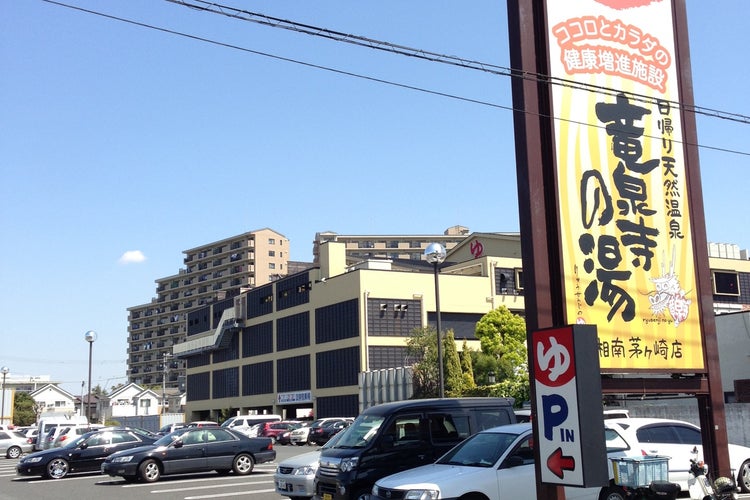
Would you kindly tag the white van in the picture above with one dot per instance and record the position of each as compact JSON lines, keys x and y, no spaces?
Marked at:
{"x":247,"y":423}
{"x":46,"y":423}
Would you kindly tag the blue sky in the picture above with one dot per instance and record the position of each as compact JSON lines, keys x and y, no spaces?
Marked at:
{"x":119,"y":138}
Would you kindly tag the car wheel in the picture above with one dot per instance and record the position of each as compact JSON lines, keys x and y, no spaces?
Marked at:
{"x":743,"y":477}
{"x":13,"y":452}
{"x":613,"y":492}
{"x":362,"y":494}
{"x":57,"y":468}
{"x":149,"y":471}
{"x":243,"y":464}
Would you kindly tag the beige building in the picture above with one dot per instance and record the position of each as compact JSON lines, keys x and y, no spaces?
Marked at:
{"x":389,"y":246}
{"x":212,"y":272}
{"x":301,"y":342}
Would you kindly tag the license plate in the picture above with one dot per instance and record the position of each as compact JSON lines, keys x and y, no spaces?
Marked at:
{"x":281,"y":485}
{"x":327,"y":496}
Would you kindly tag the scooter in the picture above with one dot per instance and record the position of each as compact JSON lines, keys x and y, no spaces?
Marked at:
{"x":701,"y":487}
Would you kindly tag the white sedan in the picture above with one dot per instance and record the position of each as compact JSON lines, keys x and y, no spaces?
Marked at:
{"x":677,"y":439}
{"x":497,"y":463}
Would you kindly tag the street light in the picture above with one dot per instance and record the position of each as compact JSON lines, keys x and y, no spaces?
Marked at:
{"x":435,"y":255}
{"x":90,"y":338}
{"x":5,"y":371}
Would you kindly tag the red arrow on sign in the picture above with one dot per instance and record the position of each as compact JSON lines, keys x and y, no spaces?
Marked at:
{"x":557,"y":463}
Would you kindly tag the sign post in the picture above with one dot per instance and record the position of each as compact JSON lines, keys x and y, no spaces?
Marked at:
{"x":567,"y":388}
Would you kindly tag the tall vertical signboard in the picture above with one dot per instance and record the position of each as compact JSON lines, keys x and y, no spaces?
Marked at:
{"x":621,"y":182}
{"x":611,"y":209}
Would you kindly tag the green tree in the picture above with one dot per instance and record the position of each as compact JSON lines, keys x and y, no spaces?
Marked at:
{"x":422,"y":348}
{"x":24,"y":411}
{"x":467,"y":368}
{"x":502,"y":335}
{"x":454,"y":380}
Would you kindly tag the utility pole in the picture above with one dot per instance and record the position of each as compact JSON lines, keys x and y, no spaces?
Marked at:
{"x":165,"y":371}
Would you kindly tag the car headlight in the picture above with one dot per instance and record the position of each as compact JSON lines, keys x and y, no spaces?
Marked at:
{"x":31,"y":460}
{"x":349,"y":464}
{"x":307,"y":470}
{"x":422,"y":495}
{"x":121,"y":460}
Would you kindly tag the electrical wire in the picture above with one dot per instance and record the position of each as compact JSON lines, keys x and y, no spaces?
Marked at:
{"x":338,"y":36}
{"x":415,"y":53}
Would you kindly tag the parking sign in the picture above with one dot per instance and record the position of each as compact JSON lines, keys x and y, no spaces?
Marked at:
{"x":568,"y":399}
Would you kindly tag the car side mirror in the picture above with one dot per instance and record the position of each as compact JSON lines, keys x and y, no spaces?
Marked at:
{"x":177,"y":443}
{"x":83,"y":445}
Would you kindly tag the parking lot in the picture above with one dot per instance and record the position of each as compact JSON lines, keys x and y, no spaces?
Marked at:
{"x":258,"y":485}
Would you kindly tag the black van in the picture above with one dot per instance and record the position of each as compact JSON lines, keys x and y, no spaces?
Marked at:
{"x":392,"y":437}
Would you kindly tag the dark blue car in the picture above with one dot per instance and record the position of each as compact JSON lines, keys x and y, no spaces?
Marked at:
{"x":84,"y":454}
{"x":197,"y":449}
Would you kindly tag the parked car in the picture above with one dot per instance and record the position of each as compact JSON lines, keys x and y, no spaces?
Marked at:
{"x":319,"y":423}
{"x":14,"y":443}
{"x":677,"y":439}
{"x":400,"y":435}
{"x":31,"y":433}
{"x":497,"y":463}
{"x":166,"y":429}
{"x":320,"y":435}
{"x":46,"y":423}
{"x":202,"y":423}
{"x":71,"y":432}
{"x":81,"y":454}
{"x":295,"y":476}
{"x":249,"y":424}
{"x":285,"y":437}
{"x":274,"y":429}
{"x":220,"y":449}
{"x":299,"y":435}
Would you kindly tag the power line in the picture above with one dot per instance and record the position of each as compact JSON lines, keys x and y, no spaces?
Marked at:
{"x":466,"y":63}
{"x":338,"y":36}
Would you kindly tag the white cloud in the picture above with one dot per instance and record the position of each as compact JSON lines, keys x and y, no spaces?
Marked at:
{"x":132,"y":257}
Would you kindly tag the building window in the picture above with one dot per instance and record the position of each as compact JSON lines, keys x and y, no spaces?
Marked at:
{"x":271,"y":253}
{"x":145,"y":403}
{"x":271,"y":265}
{"x":271,"y":241}
{"x":726,"y":283}
{"x":519,"y":279}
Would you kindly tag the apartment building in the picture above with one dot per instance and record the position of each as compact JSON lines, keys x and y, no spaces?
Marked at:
{"x":212,"y":273}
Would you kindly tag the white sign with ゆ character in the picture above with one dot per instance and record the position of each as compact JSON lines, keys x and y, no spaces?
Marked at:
{"x":563,"y":377}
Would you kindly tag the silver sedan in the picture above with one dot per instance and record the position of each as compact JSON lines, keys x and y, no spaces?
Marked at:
{"x":13,"y":444}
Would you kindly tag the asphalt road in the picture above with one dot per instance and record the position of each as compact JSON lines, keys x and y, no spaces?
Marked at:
{"x":258,"y":485}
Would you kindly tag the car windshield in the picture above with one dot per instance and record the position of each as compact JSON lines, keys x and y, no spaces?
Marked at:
{"x":335,"y":439}
{"x":361,"y":432}
{"x":480,"y":450}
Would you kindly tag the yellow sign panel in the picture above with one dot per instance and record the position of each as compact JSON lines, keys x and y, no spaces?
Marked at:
{"x":627,"y":250}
